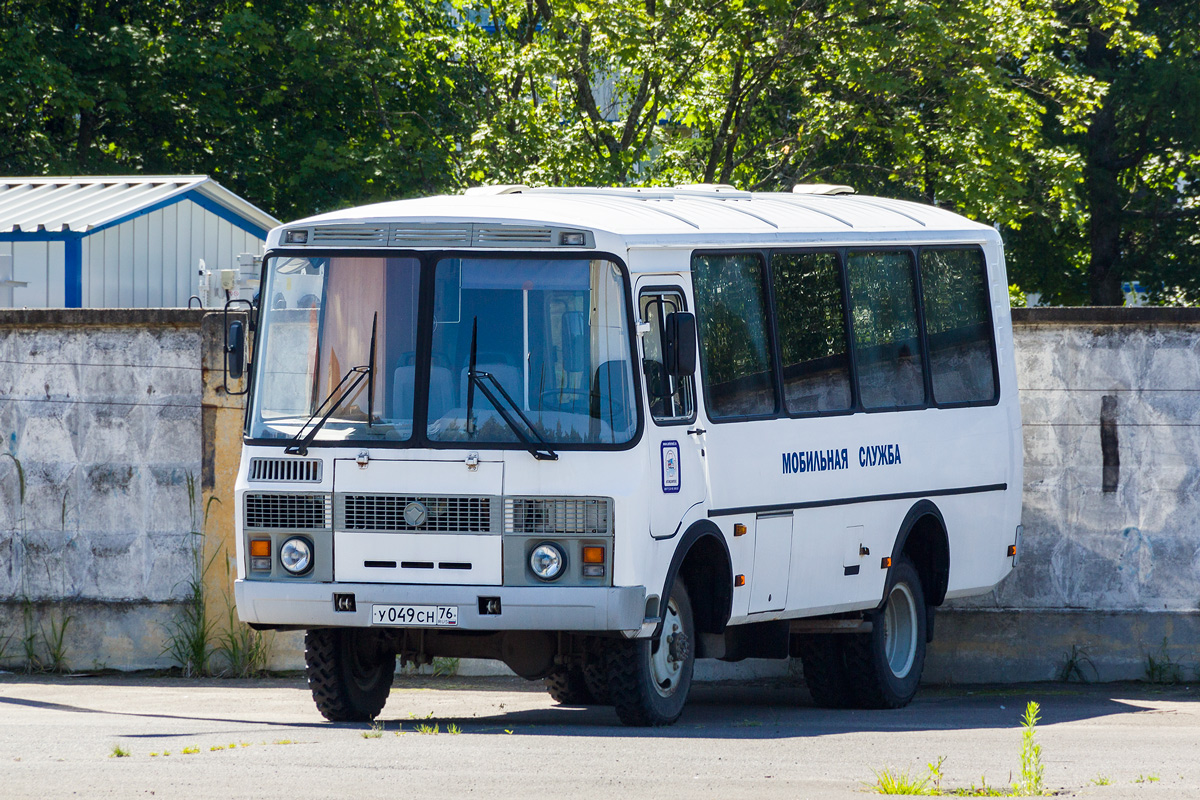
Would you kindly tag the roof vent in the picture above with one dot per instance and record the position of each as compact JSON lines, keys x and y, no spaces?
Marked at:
{"x":822,"y":188}
{"x":350,"y":234}
{"x":499,"y":188}
{"x":419,"y":235}
{"x":513,"y":235}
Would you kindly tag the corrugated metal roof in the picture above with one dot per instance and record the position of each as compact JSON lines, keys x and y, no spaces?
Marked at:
{"x":686,"y":211}
{"x":82,"y":204}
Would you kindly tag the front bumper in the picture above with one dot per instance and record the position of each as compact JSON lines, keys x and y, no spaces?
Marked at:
{"x":532,"y":608}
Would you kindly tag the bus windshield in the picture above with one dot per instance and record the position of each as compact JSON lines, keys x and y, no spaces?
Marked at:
{"x":521,"y":350}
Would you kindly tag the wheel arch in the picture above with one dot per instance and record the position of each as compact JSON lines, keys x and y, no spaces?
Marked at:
{"x":923,"y":538}
{"x":702,"y":560}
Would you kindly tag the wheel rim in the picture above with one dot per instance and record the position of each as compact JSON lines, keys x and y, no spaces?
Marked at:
{"x":668,"y":652}
{"x":900,"y":630}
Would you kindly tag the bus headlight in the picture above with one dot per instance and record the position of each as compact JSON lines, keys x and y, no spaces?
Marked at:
{"x":547,"y":561}
{"x":296,"y":555}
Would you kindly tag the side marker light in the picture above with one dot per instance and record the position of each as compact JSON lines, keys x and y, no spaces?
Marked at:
{"x":1012,"y":550}
{"x":885,"y":562}
{"x":739,"y":529}
{"x":739,"y":580}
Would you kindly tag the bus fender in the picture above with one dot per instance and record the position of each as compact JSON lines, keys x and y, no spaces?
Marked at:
{"x":712,"y":567}
{"x":925,"y":530}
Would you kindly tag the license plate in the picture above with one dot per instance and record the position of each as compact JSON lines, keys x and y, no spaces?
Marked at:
{"x":415,"y":616}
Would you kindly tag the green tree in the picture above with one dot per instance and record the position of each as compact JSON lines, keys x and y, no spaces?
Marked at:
{"x":1134,"y":211}
{"x":299,"y":106}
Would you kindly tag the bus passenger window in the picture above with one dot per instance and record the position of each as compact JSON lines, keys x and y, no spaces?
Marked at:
{"x":735,"y":355}
{"x":811,"y":323}
{"x":671,"y":400}
{"x":887,"y":345}
{"x":958,"y":327}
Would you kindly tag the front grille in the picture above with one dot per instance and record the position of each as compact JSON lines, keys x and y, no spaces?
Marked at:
{"x":288,"y":511}
{"x":285,"y":469}
{"x":385,"y":512}
{"x":557,"y":515}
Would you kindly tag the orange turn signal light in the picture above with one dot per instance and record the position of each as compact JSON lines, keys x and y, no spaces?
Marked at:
{"x":739,"y":580}
{"x":593,"y":554}
{"x":1012,"y":549}
{"x":260,"y":548}
{"x":739,"y":529}
{"x":885,"y":562}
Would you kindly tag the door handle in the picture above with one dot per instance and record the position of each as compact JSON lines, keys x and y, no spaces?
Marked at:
{"x":697,"y":432}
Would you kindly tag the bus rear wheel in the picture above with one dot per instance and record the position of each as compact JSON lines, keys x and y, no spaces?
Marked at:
{"x":649,"y":679}
{"x":884,"y":666}
{"x":822,"y":655}
{"x":349,"y":673}
{"x":568,"y":687}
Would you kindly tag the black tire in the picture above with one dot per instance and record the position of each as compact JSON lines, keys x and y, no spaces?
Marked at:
{"x":884,"y":666}
{"x":649,"y":679}
{"x":567,"y":687}
{"x":595,"y":677}
{"x":349,"y":673}
{"x":823,"y":657}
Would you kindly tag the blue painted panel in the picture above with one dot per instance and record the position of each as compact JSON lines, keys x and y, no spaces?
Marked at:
{"x":199,"y":199}
{"x":73,"y":273}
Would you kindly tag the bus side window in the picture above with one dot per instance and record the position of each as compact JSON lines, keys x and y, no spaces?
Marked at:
{"x":671,"y":400}
{"x":887,"y":342}
{"x":958,"y":326}
{"x":735,"y":352}
{"x":811,"y":317}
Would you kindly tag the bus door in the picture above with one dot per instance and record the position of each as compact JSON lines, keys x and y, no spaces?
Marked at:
{"x":676,"y":457}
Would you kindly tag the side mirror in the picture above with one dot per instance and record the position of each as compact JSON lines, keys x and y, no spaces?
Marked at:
{"x":235,"y":344}
{"x":235,"y":349}
{"x":679,"y":345}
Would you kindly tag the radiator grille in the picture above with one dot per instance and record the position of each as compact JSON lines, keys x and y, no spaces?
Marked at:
{"x":288,"y":511}
{"x":285,"y":469}
{"x":385,"y":512}
{"x":557,"y":515}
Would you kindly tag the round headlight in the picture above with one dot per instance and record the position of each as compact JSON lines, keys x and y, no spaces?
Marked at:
{"x":547,"y":561}
{"x":296,"y":556}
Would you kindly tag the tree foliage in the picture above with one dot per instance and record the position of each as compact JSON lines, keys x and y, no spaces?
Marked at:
{"x":299,"y":106}
{"x":1070,"y":124}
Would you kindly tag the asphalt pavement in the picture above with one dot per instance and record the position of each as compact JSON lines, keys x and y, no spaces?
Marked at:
{"x":62,"y":736}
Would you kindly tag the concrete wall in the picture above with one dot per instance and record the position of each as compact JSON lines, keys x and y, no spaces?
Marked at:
{"x":100,"y":417}
{"x":113,"y":415}
{"x":1110,"y":400}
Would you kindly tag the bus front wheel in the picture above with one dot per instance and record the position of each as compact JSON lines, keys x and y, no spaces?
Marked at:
{"x":349,"y":673}
{"x":884,"y":666}
{"x":649,"y":679}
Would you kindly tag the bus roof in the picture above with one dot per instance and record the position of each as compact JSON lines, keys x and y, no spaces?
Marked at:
{"x":682,"y":215}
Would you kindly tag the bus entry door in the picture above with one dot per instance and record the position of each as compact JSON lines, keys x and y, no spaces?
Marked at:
{"x":676,"y":456}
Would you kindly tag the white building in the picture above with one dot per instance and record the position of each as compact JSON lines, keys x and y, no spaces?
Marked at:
{"x":123,"y":242}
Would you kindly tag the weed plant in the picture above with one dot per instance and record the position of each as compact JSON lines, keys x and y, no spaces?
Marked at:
{"x":1162,"y":668}
{"x":1073,"y":665}
{"x":1031,"y":782}
{"x":189,"y":635}
{"x":244,"y":650}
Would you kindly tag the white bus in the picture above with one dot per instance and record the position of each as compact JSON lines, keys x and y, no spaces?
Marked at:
{"x":600,"y":433}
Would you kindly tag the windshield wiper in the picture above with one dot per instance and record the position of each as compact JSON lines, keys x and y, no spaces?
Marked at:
{"x":475,"y":378}
{"x":360,"y":373}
